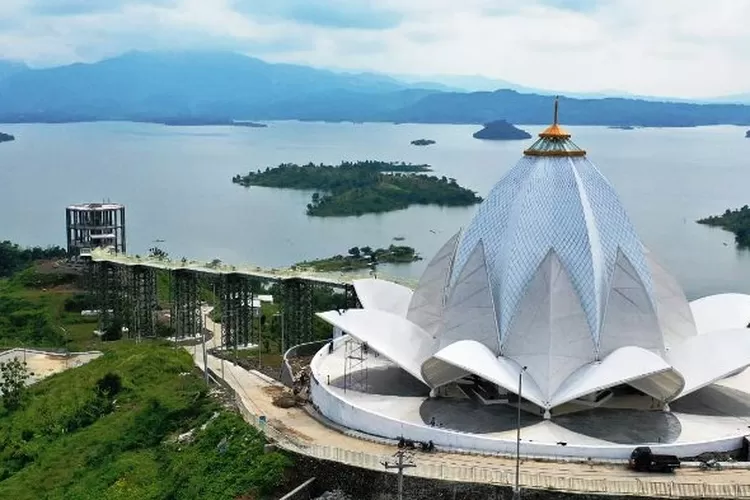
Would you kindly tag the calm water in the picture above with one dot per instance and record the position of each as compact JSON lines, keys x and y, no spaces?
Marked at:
{"x":176,"y":183}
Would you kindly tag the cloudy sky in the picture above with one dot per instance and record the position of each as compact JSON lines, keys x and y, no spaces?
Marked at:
{"x":682,"y":48}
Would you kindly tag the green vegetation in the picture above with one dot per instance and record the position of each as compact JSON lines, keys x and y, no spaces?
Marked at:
{"x":736,"y":221}
{"x":6,"y":137}
{"x":14,"y":258}
{"x":362,"y":187}
{"x":39,"y":303}
{"x":364,"y":257}
{"x":13,"y":376}
{"x":422,"y":142}
{"x":110,"y":430}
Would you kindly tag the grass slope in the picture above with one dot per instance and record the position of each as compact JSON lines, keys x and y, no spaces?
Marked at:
{"x":67,"y":443}
{"x":33,"y":313}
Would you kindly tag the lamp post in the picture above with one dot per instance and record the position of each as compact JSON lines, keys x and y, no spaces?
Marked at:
{"x":203,"y":335}
{"x":404,"y":460}
{"x":517,"y":488}
{"x":281,"y":315}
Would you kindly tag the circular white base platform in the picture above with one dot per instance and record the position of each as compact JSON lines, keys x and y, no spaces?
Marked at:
{"x":375,"y":397}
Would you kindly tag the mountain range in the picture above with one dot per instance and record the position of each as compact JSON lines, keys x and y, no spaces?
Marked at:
{"x":143,"y":86}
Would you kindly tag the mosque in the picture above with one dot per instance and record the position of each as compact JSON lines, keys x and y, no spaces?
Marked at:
{"x":546,"y":301}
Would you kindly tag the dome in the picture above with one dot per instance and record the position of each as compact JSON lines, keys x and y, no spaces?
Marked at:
{"x":550,"y":279}
{"x":561,"y":208}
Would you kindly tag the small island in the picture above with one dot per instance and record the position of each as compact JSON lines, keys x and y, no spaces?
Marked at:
{"x":422,"y":142}
{"x":622,"y":127}
{"x":6,"y":137}
{"x":736,"y":221}
{"x":747,"y":134}
{"x":363,"y":187}
{"x":500,"y":130}
{"x":191,"y":121}
{"x":362,"y":258}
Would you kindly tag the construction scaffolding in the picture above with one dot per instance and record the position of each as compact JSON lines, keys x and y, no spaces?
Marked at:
{"x":185,"y":318}
{"x":126,"y":295}
{"x":297,"y":303}
{"x":355,"y":368}
{"x":350,"y":298}
{"x":142,"y":303}
{"x":237,"y":312}
{"x":106,"y":282}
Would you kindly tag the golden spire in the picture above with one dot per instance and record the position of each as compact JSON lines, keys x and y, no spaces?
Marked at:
{"x":554,"y":140}
{"x":555,"y":130}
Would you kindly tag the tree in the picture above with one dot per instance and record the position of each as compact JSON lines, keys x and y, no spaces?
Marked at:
{"x":113,"y":331}
{"x":354,"y":252}
{"x":13,"y":376}
{"x":158,"y":253}
{"x":109,"y":385}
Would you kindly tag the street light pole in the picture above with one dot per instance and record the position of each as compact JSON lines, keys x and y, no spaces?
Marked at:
{"x":205,"y":356}
{"x":260,"y":338}
{"x":517,"y":489}
{"x":403,"y":461}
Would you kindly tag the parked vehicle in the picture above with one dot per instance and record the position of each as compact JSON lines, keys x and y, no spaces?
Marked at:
{"x":642,"y":459}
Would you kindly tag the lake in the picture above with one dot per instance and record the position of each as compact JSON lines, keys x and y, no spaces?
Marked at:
{"x":176,"y":184}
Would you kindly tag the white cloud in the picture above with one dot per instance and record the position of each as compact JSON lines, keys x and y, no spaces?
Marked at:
{"x":685,"y":48}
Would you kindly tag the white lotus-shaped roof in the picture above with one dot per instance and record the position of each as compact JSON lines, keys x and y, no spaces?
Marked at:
{"x":551,"y":276}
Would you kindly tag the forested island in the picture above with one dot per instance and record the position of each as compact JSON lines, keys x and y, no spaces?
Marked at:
{"x":201,"y":122}
{"x":736,"y":221}
{"x":6,"y":137}
{"x":362,"y":258}
{"x":357,"y":188}
{"x":422,"y":142}
{"x":501,"y":130}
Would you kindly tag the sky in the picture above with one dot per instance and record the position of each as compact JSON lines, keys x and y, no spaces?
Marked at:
{"x":677,"y":48}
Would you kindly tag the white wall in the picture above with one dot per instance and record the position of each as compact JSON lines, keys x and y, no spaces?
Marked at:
{"x":354,"y":417}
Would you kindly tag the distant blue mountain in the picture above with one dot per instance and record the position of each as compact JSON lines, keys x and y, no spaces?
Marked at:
{"x":160,"y":84}
{"x":217,"y":86}
{"x":482,"y":107}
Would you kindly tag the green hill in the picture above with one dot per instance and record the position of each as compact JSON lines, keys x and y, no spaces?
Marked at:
{"x":71,"y":440}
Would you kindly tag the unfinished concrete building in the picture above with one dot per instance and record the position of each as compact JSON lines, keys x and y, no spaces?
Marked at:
{"x":95,"y":225}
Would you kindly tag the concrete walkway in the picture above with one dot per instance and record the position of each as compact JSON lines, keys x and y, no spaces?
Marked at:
{"x":297,"y":431}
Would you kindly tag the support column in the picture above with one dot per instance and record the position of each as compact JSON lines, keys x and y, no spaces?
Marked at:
{"x":143,"y":301}
{"x":185,"y":316}
{"x":236,"y":310}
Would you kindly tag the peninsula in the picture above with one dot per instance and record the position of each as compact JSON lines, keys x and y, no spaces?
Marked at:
{"x":736,"y":221}
{"x":422,"y":142}
{"x":501,"y":130}
{"x":357,"y":188}
{"x":6,"y":137}
{"x":362,"y":258}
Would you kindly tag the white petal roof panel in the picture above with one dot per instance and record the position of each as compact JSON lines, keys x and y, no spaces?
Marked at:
{"x":383,"y":295}
{"x":470,"y":356}
{"x":622,"y":366}
{"x":707,"y":358}
{"x":721,"y":312}
{"x":393,"y":336}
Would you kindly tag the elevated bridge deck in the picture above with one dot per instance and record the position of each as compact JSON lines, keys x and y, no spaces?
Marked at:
{"x":276,"y":274}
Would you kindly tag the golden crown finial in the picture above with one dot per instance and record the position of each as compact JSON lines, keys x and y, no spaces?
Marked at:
{"x":554,"y":140}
